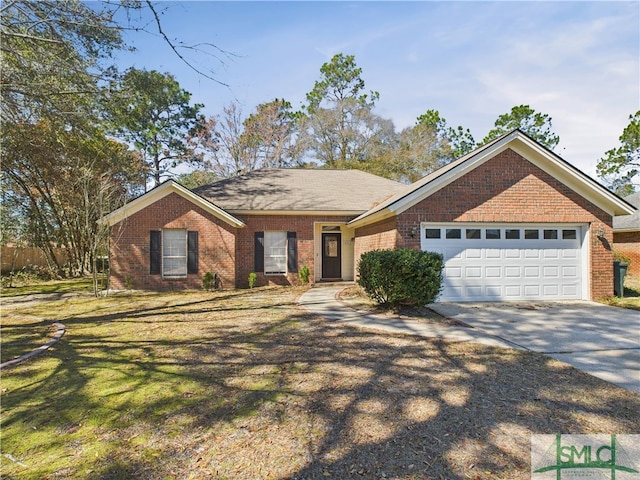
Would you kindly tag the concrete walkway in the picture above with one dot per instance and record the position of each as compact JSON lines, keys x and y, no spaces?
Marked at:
{"x":599,"y":340}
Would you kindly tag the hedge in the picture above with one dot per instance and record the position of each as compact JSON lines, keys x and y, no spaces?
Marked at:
{"x":394,"y":278}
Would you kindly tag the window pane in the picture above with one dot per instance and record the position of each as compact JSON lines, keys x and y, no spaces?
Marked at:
{"x":275,"y":252}
{"x":174,"y":267}
{"x":531,"y":234}
{"x":331,"y":246}
{"x":492,"y":234}
{"x":433,"y":233}
{"x":174,"y":253}
{"x":454,"y":233}
{"x":512,"y":234}
{"x":550,"y":234}
{"x":174,"y":243}
{"x":569,"y":235}
{"x":472,"y":233}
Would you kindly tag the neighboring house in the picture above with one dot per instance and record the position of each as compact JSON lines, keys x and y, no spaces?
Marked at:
{"x":626,"y":235}
{"x":513,"y":220}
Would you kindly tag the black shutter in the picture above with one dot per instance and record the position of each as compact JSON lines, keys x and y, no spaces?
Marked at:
{"x":258,"y":259}
{"x":292,"y":252}
{"x":192,"y":252}
{"x":155,"y":252}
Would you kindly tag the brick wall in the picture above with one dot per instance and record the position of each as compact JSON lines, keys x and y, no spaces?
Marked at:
{"x":219,"y":245}
{"x":129,"y":249}
{"x":379,"y":236}
{"x":506,"y":189}
{"x":628,"y":243}
{"x":304,"y":228}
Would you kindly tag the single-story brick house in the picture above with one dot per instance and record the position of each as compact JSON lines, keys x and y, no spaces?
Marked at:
{"x":513,"y":220}
{"x":626,"y":235}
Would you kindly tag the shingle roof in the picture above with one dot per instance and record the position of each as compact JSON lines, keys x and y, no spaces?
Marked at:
{"x":300,"y":190}
{"x":629,"y":222}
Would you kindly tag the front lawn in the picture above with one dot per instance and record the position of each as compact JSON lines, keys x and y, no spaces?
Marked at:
{"x":245,"y":385}
{"x":22,"y":336}
{"x":32,"y":285}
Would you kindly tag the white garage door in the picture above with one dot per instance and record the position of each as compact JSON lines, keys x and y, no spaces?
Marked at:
{"x":507,"y":262}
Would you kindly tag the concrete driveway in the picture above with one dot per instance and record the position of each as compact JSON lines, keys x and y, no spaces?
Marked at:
{"x":600,"y":340}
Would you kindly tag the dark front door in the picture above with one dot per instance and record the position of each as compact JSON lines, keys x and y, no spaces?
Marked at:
{"x":331,"y":255}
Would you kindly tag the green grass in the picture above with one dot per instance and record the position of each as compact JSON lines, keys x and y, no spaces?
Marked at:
{"x":131,"y":370}
{"x":631,"y":299}
{"x":22,"y":336}
{"x":32,"y":285}
{"x":243,"y":384}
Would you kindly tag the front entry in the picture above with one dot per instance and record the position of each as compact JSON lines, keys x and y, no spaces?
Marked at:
{"x":331,"y":256}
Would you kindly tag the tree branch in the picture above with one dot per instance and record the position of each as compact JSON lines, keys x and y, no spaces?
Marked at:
{"x":175,"y":49}
{"x":31,"y":37}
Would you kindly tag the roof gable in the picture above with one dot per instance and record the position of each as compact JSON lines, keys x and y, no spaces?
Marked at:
{"x":161,"y":191}
{"x":522,"y":144}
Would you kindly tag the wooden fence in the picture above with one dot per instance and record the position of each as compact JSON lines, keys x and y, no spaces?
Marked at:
{"x":15,"y":258}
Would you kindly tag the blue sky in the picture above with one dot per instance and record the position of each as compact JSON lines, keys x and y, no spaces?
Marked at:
{"x":579,"y":62}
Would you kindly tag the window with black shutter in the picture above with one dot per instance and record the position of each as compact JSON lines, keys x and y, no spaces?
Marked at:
{"x":173,"y":252}
{"x":275,"y":252}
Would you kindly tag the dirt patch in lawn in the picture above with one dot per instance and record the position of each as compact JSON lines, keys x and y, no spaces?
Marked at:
{"x":246,"y":385}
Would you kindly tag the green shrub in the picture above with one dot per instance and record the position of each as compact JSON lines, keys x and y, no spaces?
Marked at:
{"x":252,"y":279}
{"x":401,"y":277}
{"x":304,"y":274}
{"x":208,"y":281}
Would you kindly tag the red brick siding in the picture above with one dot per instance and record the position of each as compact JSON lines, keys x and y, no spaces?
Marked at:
{"x":303,"y":225}
{"x":379,"y":236}
{"x":628,"y":243}
{"x":506,"y":189}
{"x":219,"y":245}
{"x":129,"y":250}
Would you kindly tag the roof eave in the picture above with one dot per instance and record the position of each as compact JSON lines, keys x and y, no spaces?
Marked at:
{"x":314,"y":213}
{"x":368,"y":218}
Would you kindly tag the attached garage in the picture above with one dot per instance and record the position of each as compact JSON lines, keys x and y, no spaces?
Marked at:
{"x":504,"y":262}
{"x":513,"y":220}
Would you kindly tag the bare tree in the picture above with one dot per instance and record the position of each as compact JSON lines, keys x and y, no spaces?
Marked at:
{"x":269,"y":135}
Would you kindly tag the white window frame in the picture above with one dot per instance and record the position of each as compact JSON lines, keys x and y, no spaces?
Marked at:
{"x":174,"y":253}
{"x":275,"y":252}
